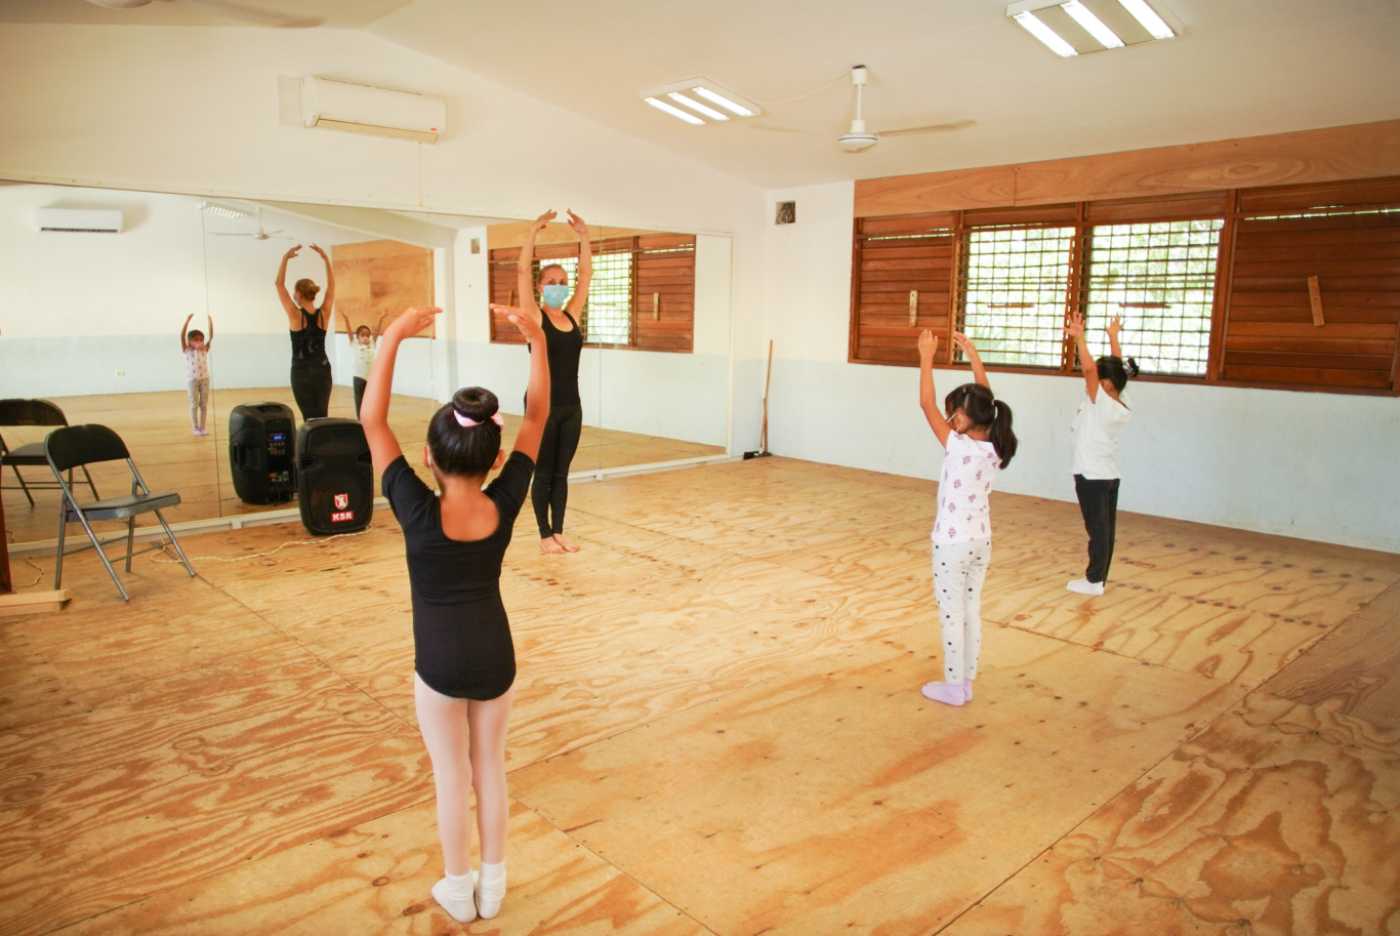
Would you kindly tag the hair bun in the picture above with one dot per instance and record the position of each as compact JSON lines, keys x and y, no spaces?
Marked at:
{"x":475,"y":403}
{"x":1132,"y":367}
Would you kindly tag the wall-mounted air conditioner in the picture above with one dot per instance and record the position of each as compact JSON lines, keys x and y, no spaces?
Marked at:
{"x":77,"y":219}
{"x":339,"y":105}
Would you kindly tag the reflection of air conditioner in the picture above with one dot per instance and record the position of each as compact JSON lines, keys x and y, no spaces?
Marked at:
{"x":77,"y":219}
{"x":339,"y":105}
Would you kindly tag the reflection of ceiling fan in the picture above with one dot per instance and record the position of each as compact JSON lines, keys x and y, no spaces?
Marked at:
{"x":259,"y":234}
{"x":858,"y":138}
{"x":255,"y":15}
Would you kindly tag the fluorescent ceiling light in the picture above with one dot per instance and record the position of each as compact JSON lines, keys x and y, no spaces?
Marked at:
{"x":695,"y":105}
{"x":673,"y":111}
{"x":732,"y":106}
{"x":1148,"y":17}
{"x":224,"y":211}
{"x":1092,"y":24}
{"x":687,"y":93}
{"x":1044,"y":33}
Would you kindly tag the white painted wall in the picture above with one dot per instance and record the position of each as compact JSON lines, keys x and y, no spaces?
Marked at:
{"x":1320,"y":466}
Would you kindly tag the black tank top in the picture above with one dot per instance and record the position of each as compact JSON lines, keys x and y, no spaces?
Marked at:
{"x":564,"y":348}
{"x":309,"y":344}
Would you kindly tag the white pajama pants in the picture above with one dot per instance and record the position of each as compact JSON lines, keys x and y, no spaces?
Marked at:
{"x":958,"y":572}
{"x":199,"y":401}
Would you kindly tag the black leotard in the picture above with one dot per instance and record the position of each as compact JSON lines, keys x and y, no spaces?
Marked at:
{"x":564,"y":349}
{"x":311,"y":369}
{"x":461,"y":636}
{"x":563,"y":428}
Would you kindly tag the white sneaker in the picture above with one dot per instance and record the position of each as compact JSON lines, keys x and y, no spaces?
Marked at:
{"x":1085,"y":587}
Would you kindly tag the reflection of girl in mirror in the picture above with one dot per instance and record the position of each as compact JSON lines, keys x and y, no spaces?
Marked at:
{"x":196,"y":348}
{"x":464,"y":660}
{"x":311,"y":369}
{"x":559,"y":322}
{"x":364,"y":341}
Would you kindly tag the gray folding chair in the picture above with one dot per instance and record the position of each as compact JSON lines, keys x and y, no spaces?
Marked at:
{"x":31,"y":454}
{"x":75,"y":446}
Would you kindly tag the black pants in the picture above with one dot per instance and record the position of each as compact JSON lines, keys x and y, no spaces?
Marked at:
{"x":550,"y":493}
{"x":360,"y":384}
{"x":1098,"y":502}
{"x":311,"y":385}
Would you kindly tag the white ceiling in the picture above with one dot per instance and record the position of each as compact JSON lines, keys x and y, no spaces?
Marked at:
{"x":1239,"y":68}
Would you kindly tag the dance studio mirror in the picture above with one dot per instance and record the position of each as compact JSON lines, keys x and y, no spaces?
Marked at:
{"x":92,"y":321}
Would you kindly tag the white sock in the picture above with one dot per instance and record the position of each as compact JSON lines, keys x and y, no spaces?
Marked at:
{"x":454,"y":894}
{"x":490,"y":889}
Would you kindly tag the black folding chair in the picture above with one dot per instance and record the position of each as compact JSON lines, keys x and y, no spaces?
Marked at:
{"x":74,"y":446}
{"x":31,"y":454}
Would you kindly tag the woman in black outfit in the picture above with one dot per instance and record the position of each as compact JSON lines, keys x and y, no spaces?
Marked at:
{"x":560,"y":324}
{"x":311,"y":369}
{"x":464,"y":659}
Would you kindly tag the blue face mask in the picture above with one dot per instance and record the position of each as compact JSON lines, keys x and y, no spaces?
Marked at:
{"x":555,"y":295}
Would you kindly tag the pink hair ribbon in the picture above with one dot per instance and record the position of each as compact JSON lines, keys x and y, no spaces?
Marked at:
{"x":466,"y":422}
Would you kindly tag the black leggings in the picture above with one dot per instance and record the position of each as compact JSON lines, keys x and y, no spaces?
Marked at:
{"x":360,"y":384}
{"x":311,"y":385}
{"x":557,"y":448}
{"x":1098,"y":502}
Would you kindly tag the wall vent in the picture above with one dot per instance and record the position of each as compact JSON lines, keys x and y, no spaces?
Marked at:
{"x":787,"y":212}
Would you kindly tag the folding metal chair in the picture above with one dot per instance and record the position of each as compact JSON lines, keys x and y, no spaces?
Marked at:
{"x":31,"y":454}
{"x":75,"y":446}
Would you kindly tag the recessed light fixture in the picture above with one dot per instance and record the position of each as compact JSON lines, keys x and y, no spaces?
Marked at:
{"x":702,"y":101}
{"x":1075,"y":27}
{"x":224,"y":211}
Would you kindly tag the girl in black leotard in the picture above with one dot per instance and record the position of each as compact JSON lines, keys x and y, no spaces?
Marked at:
{"x":464,"y":662}
{"x":311,"y":369}
{"x":560,"y":324}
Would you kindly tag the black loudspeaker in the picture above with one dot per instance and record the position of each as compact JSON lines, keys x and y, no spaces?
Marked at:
{"x":260,"y":453}
{"x":335,"y":476}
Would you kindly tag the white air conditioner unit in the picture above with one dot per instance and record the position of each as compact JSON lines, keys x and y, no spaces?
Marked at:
{"x":77,"y":219}
{"x":339,"y":105}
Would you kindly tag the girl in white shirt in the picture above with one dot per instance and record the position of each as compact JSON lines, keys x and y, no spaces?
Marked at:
{"x":364,"y":342}
{"x":977,"y":440}
{"x":1101,"y":415}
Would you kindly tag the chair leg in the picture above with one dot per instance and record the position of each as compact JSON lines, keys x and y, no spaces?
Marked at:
{"x":15,"y":469}
{"x":176,"y":543}
{"x":97,"y":545}
{"x":130,"y":539}
{"x":95,"y":495}
{"x":62,"y":529}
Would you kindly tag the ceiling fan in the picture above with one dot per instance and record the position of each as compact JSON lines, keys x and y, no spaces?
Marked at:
{"x":259,"y":234}
{"x":255,"y":15}
{"x":858,"y":138}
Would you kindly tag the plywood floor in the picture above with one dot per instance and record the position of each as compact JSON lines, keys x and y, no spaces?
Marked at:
{"x":718,"y":730}
{"x":156,"y":429}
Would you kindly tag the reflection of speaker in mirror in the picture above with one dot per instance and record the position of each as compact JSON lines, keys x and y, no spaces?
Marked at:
{"x":558,"y":314}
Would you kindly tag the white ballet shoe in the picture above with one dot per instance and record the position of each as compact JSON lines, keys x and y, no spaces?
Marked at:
{"x":1085,"y":587}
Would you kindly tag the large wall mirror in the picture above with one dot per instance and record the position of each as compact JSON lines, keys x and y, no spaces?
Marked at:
{"x":92,"y":321}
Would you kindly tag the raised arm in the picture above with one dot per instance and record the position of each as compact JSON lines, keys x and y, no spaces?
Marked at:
{"x":969,"y":350}
{"x":209,"y":338}
{"x":527,"y":440}
{"x":374,"y":409}
{"x":1115,"y":325}
{"x":584,"y":277}
{"x":928,"y":399}
{"x":349,"y":328}
{"x":290,"y":307}
{"x":378,"y":330}
{"x":327,"y":303}
{"x":184,"y":330}
{"x":524,"y":268}
{"x":1090,"y":367}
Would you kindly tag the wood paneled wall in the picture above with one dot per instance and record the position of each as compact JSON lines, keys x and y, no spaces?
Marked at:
{"x":377,"y":277}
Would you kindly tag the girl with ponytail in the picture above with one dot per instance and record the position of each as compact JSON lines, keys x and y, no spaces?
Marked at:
{"x":974,"y":428}
{"x":1101,"y":415}
{"x":464,"y":661}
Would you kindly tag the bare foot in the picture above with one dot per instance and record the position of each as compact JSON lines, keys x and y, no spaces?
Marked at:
{"x":551,"y":546}
{"x":568,"y":546}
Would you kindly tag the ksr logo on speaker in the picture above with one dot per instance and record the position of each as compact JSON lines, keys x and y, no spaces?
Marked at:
{"x":342,"y":501}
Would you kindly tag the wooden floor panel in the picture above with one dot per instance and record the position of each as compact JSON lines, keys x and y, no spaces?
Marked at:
{"x":1249,"y":828}
{"x":718,"y":729}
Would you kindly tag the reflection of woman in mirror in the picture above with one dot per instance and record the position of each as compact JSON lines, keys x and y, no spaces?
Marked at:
{"x":463,"y":659}
{"x":564,"y":340}
{"x":311,"y":369}
{"x":364,"y":341}
{"x":196,"y":348}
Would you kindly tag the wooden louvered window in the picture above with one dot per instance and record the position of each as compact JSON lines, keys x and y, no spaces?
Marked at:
{"x":901,"y":284}
{"x":1315,"y":287}
{"x":642,"y":295}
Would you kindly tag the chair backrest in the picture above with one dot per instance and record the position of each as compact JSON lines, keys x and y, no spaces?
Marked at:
{"x":31,"y":413}
{"x":72,"y":446}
